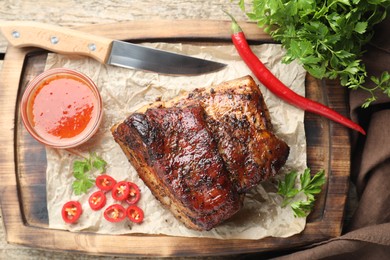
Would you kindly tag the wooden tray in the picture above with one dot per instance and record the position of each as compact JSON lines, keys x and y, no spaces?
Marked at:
{"x":23,"y":160}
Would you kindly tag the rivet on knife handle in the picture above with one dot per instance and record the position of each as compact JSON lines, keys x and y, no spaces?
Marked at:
{"x":57,"y":39}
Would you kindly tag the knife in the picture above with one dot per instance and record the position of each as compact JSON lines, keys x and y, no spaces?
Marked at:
{"x":107,"y":51}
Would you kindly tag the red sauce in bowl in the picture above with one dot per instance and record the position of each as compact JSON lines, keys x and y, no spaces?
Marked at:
{"x":61,"y":108}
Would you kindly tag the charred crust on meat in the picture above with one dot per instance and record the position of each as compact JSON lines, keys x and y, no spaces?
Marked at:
{"x":201,"y":152}
{"x":141,"y":125}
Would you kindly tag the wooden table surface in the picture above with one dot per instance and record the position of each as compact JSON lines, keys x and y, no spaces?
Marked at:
{"x":77,"y":13}
{"x":72,"y":13}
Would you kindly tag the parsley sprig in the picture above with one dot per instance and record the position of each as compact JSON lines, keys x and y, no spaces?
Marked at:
{"x":327,"y":37}
{"x":82,"y":172}
{"x":309,"y":186}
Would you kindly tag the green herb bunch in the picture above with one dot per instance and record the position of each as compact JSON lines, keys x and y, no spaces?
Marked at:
{"x":309,"y":186}
{"x":326,"y":36}
{"x":82,"y":171}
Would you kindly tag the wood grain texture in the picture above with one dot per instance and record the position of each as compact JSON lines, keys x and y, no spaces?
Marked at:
{"x":74,"y":13}
{"x":83,"y":13}
{"x":22,"y":182}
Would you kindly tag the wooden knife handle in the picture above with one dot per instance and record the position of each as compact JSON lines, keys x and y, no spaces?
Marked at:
{"x":56,"y":39}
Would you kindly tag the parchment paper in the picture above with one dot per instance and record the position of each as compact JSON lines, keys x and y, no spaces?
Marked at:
{"x":124,"y":91}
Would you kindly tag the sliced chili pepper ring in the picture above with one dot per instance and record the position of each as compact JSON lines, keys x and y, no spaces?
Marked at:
{"x":105,"y":182}
{"x":120,"y":191}
{"x":97,"y":200}
{"x":135,"y":214}
{"x":134,"y":194}
{"x":115,"y":213}
{"x":71,"y":211}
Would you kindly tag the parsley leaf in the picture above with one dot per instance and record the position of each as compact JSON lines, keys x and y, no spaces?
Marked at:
{"x":327,"y":37}
{"x":98,"y":163}
{"x":82,"y":185}
{"x":82,"y":170}
{"x":79,"y":167}
{"x":310,"y":186}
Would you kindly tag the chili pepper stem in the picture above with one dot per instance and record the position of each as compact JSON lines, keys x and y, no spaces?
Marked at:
{"x":271,"y":82}
{"x":235,"y":26}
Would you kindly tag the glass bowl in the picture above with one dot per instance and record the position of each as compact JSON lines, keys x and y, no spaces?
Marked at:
{"x":61,"y":108}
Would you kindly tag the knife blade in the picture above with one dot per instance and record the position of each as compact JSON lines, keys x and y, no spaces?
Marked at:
{"x":107,"y":51}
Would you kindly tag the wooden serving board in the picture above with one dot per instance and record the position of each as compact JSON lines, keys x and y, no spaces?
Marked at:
{"x":23,"y":160}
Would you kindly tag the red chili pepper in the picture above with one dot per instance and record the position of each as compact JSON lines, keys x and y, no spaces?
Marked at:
{"x":135,"y":214}
{"x":121,"y":190}
{"x":105,"y":182}
{"x":71,"y":211}
{"x":134,"y":194}
{"x":97,"y":200}
{"x":115,"y":213}
{"x":265,"y":76}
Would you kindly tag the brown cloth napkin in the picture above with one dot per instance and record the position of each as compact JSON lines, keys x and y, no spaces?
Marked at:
{"x":367,"y":235}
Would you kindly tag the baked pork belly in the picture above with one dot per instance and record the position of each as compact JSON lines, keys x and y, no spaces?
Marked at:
{"x":239,"y":118}
{"x":176,"y":156}
{"x":200,"y":152}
